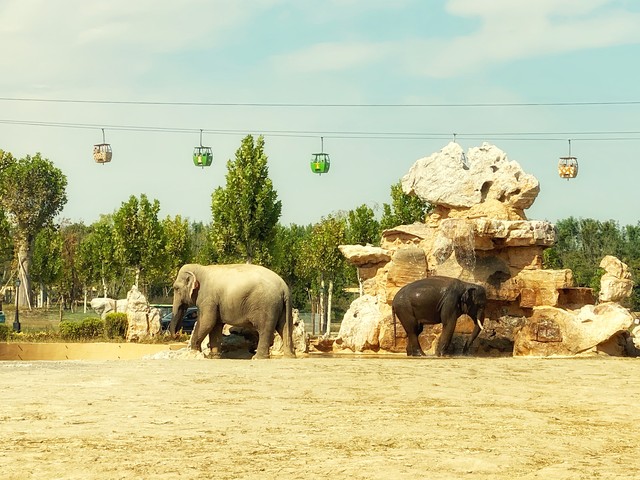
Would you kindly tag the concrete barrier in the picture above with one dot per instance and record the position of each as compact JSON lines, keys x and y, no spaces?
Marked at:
{"x":81,"y":351}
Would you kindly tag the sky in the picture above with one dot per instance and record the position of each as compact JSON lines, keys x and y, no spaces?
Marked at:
{"x":379,"y":84}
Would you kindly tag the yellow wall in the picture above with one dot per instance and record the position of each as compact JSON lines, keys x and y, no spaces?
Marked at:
{"x":80,"y":351}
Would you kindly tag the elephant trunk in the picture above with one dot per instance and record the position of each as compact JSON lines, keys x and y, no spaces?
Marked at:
{"x":177,"y":313}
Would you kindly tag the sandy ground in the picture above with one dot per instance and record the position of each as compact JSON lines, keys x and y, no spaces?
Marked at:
{"x":321,"y":417}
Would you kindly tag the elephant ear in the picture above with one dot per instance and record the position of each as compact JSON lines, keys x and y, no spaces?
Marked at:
{"x":467,"y":299}
{"x":193,"y":285}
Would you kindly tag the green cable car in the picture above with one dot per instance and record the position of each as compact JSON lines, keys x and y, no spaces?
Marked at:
{"x":320,"y":162}
{"x":202,"y":156}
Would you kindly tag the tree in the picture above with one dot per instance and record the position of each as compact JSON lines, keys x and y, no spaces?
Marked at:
{"x":99,"y":265}
{"x":177,"y":248}
{"x":404,"y":209}
{"x":321,"y":263}
{"x":46,"y":268}
{"x":32,"y":193}
{"x":246,"y":211}
{"x":138,"y":235}
{"x":6,"y":246}
{"x":581,"y":244}
{"x":201,"y":243}
{"x":287,"y":244}
{"x":363,"y":228}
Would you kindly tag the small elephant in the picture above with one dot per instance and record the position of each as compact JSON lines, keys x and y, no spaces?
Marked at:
{"x":243,"y":295}
{"x":435,"y":300}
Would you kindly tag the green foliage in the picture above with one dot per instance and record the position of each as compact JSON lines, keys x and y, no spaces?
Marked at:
{"x":202,"y":248}
{"x":582,"y":243}
{"x":246,"y":211}
{"x":46,"y":267}
{"x":4,"y":332}
{"x":115,"y":325}
{"x":138,"y":235}
{"x":87,"y":329}
{"x":177,"y":248}
{"x":32,"y":193}
{"x":284,"y":259}
{"x":404,"y":209}
{"x":362,"y":227}
{"x":97,"y":260}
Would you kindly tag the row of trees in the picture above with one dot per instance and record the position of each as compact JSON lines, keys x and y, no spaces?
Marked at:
{"x":68,"y":261}
{"x":582,"y":243}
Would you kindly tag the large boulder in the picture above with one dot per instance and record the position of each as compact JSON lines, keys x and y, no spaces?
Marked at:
{"x":360,"y":328}
{"x":299,"y":336}
{"x":451,"y":179}
{"x":143,"y":321}
{"x":554,"y":331}
{"x":616,"y":284}
{"x":103,"y":306}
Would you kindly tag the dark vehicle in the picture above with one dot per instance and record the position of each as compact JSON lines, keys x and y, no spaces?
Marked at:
{"x":188,"y":321}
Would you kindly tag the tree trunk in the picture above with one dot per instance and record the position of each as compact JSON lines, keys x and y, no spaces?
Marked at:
{"x":137,"y":276}
{"x":24,"y":266}
{"x":313,"y":312}
{"x":321,"y":306}
{"x":329,"y":295}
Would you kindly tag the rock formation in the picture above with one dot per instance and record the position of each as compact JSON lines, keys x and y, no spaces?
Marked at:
{"x":144,"y":321}
{"x":103,"y":306}
{"x":616,"y":284}
{"x":478,"y":232}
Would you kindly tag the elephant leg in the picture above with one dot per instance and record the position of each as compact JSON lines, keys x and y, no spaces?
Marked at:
{"x":413,"y":344}
{"x":205,"y":325}
{"x":445,"y":339}
{"x":265,"y":340}
{"x":474,"y":335}
{"x":215,"y":340}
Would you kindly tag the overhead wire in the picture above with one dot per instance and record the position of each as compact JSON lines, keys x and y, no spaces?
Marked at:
{"x":349,"y":134}
{"x":325,"y":105}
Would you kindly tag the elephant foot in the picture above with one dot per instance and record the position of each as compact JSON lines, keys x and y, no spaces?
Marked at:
{"x":416,"y":353}
{"x":259,"y":356}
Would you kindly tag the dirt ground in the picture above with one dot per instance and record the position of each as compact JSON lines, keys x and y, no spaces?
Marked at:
{"x":356,"y":417}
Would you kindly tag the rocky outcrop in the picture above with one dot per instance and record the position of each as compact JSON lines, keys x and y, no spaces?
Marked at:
{"x":477,"y":232}
{"x":143,"y":321}
{"x":451,"y":179}
{"x":554,"y":331}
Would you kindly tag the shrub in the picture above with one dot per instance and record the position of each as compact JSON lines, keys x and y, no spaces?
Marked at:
{"x":86,"y":329}
{"x":4,"y":332}
{"x":115,"y":325}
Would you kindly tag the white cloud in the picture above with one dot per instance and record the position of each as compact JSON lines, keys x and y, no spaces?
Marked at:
{"x":515,"y":30}
{"x":508,"y":30}
{"x":48,"y":43}
{"x":327,"y":57}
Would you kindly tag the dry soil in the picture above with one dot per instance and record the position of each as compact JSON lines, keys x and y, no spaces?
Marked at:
{"x":321,"y":417}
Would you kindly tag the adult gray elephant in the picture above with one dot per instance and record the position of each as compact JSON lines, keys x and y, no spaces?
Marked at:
{"x":435,"y":300}
{"x":243,"y":295}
